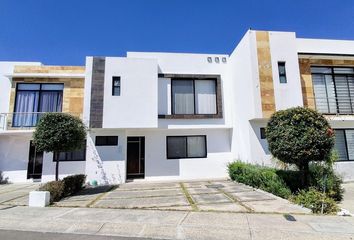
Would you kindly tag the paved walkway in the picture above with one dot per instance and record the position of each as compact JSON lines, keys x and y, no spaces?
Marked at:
{"x":223,"y":196}
{"x":16,"y":194}
{"x":348,"y":201}
{"x":175,"y":224}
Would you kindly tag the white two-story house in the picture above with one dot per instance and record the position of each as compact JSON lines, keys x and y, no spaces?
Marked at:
{"x":174,"y":116}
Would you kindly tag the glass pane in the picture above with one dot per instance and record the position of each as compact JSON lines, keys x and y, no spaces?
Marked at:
{"x":51,"y":102}
{"x":116,"y":91}
{"x":321,"y":70}
{"x":344,"y":70}
{"x":340,"y":145}
{"x":343,"y":96}
{"x":176,"y":147}
{"x":26,"y":109}
{"x":320,"y":92}
{"x":112,"y":140}
{"x":331,"y":94}
{"x":116,"y":82}
{"x":28,"y":86}
{"x":205,"y":91}
{"x":196,"y":146}
{"x":350,"y":143}
{"x":183,"y":96}
{"x":57,"y":87}
{"x":281,"y":68}
{"x":282,"y":79}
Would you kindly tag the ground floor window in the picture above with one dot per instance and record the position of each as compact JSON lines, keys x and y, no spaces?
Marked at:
{"x":79,"y":155}
{"x":344,"y":144}
{"x":186,"y":147}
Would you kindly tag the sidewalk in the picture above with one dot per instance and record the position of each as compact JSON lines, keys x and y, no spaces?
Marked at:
{"x":348,"y":200}
{"x":175,"y":224}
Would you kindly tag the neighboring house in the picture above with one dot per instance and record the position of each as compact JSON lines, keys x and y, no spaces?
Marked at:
{"x":173,"y":116}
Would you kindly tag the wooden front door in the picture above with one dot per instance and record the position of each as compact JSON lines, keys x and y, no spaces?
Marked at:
{"x":135,"y":157}
{"x":35,"y":163}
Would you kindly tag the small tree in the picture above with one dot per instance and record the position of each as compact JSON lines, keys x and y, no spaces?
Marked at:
{"x":299,"y":136}
{"x":59,"y":132}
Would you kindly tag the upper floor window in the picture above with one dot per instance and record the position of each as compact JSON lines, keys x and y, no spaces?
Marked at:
{"x":116,"y":86}
{"x":333,"y":89}
{"x":35,"y":98}
{"x":282,"y":72}
{"x":194,"y":96}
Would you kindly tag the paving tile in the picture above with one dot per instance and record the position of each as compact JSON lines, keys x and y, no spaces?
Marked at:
{"x":143,"y":193}
{"x":273,"y":221}
{"x":220,"y":219}
{"x":202,"y":190}
{"x":135,"y":186}
{"x":210,"y":198}
{"x":226,"y":207}
{"x":175,"y":208}
{"x":238,"y":188}
{"x":121,"y":229}
{"x":210,"y":233}
{"x":276,"y":206}
{"x":142,"y":202}
{"x":158,"y":231}
{"x":252,"y":196}
{"x":22,"y":201}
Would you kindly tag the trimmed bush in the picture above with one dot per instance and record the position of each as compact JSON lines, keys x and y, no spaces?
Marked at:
{"x":73,"y":184}
{"x":259,"y":177}
{"x":56,"y":189}
{"x":300,"y":136}
{"x":313,"y":200}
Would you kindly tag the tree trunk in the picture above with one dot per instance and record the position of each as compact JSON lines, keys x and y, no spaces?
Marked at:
{"x":302,"y":175}
{"x":57,"y":167}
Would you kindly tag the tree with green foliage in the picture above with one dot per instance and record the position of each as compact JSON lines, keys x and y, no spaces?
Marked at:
{"x":300,"y":136}
{"x":59,"y":132}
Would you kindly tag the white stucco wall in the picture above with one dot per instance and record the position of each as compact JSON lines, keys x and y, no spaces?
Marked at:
{"x":283,"y":49}
{"x":136,"y":107}
{"x":325,"y":46}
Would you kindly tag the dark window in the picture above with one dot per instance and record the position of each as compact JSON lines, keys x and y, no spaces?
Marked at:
{"x":33,"y":99}
{"x":116,"y":86}
{"x":344,"y":144}
{"x":282,"y":72}
{"x":79,"y":155}
{"x":194,"y":96}
{"x":263,"y":133}
{"x":333,"y":89}
{"x":186,"y":147}
{"x":106,"y":140}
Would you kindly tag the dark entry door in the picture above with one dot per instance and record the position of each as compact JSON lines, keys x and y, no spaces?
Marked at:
{"x":35,"y":163}
{"x":135,"y":157}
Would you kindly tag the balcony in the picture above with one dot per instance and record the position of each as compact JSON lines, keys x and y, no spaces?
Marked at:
{"x":334,"y":105}
{"x":23,"y":120}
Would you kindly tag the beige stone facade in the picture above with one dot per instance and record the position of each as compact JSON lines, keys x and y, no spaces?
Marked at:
{"x":305,"y":64}
{"x":73,"y":93}
{"x":265,"y":73}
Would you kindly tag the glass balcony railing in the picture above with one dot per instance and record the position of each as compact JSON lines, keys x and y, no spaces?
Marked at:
{"x":23,"y":120}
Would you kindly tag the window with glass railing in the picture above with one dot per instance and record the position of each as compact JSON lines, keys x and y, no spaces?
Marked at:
{"x":344,"y":144}
{"x":333,"y":89}
{"x":32,"y":99}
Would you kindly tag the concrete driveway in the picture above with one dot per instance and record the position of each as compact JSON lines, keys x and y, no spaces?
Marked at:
{"x":348,"y":199}
{"x":220,"y":196}
{"x":16,"y":194}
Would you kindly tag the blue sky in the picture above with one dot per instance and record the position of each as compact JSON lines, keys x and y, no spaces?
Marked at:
{"x":65,"y":31}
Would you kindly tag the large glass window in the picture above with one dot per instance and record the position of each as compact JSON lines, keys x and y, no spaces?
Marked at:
{"x":186,"y":147}
{"x":344,"y":144}
{"x":194,"y":96}
{"x":333,"y":89}
{"x":33,"y":99}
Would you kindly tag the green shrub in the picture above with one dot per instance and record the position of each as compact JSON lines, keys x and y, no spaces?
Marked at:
{"x":300,"y":136}
{"x":313,"y":200}
{"x":73,"y":184}
{"x":56,"y":189}
{"x":259,"y":177}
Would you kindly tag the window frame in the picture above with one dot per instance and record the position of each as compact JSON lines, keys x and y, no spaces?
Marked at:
{"x":115,"y":87}
{"x":186,"y":136}
{"x":332,"y":73}
{"x":346,"y":143}
{"x":280,"y":64}
{"x":107,"y":144}
{"x":75,"y":160}
{"x":194,"y":97}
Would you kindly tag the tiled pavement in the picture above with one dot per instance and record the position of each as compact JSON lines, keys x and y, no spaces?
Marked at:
{"x":219,"y":196}
{"x":16,"y":194}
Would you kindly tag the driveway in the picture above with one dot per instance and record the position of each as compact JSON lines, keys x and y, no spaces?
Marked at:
{"x":219,"y":196}
{"x":16,"y":194}
{"x":348,"y":198}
